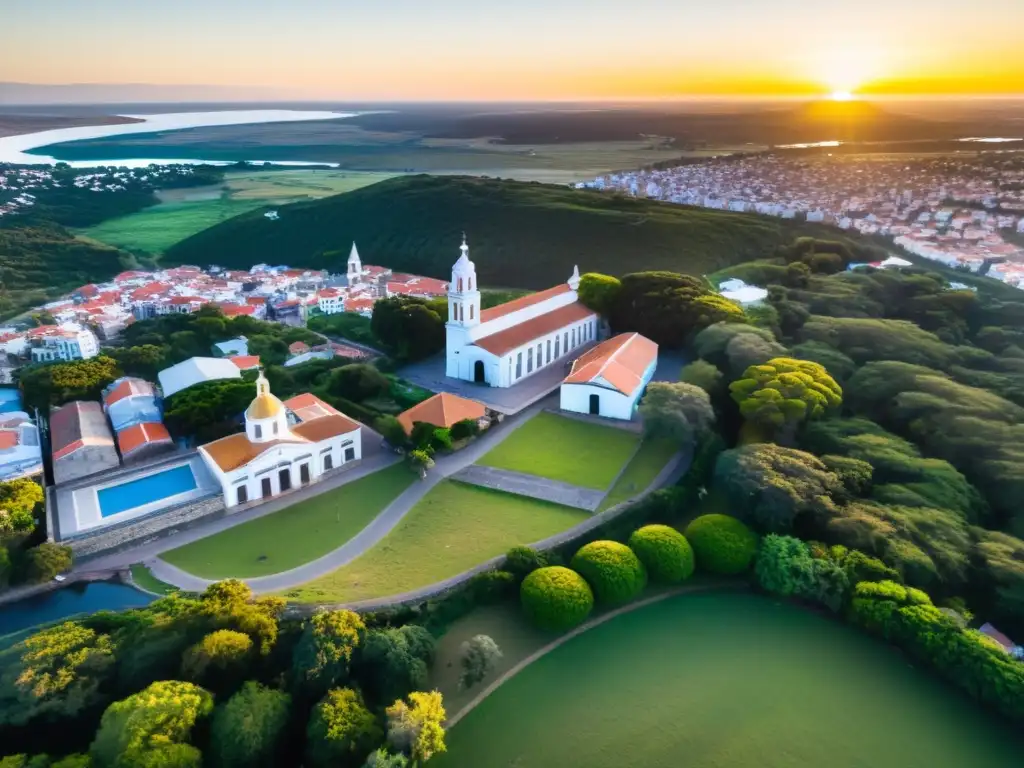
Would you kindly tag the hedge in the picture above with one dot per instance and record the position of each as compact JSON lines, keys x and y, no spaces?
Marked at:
{"x":665,"y":553}
{"x":721,"y":544}
{"x":612,"y":569}
{"x":556,"y":598}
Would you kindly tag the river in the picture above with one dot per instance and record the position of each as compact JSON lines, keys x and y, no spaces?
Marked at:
{"x":87,"y":597}
{"x":15,"y":149}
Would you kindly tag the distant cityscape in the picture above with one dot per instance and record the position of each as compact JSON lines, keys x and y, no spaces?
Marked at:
{"x":963,"y":212}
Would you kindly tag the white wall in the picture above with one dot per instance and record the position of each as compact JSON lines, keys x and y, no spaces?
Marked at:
{"x":614,"y":404}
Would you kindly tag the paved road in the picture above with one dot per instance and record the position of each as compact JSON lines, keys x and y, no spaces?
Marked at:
{"x":533,"y":486}
{"x":380,"y":527}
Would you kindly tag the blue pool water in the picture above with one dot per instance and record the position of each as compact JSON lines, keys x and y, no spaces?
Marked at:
{"x":146,"y":490}
{"x":10,"y":400}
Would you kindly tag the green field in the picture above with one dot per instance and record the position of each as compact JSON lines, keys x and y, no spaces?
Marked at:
{"x":144,"y":579}
{"x":184,"y":212}
{"x":453,"y":528}
{"x":559,"y":448}
{"x":652,"y":457}
{"x":722,"y":680}
{"x":295,"y":535}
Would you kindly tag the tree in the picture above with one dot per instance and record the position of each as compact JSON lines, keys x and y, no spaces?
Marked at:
{"x":677,"y":411}
{"x":1001,"y":558}
{"x":784,"y":566}
{"x":701,"y":373}
{"x":18,"y":501}
{"x":384,"y":759}
{"x":556,"y":598}
{"x":230,"y":605}
{"x":46,"y":560}
{"x":416,"y":728}
{"x":248,"y":728}
{"x":391,"y":430}
{"x":358,"y":382}
{"x":784,"y":392}
{"x":747,"y":349}
{"x":394,"y":661}
{"x":220,"y":657}
{"x":721,"y":544}
{"x":323,"y":654}
{"x":49,"y":384}
{"x":478,"y":657}
{"x":59,"y":672}
{"x":465,"y":428}
{"x":342,"y":731}
{"x":410,"y":328}
{"x":665,"y":553}
{"x":522,"y":561}
{"x":207,"y":411}
{"x":420,"y":461}
{"x":599,"y":292}
{"x":612,"y":569}
{"x":152,"y":728}
{"x":772,"y":487}
{"x":144,"y":361}
{"x":712,"y":342}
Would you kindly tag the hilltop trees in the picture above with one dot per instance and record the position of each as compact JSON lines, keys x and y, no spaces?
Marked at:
{"x":784,"y":392}
{"x":47,"y":384}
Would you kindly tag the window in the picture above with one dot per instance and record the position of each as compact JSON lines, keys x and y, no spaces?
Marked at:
{"x":574,"y":338}
{"x":258,"y":431}
{"x":275,"y":427}
{"x":557,"y":340}
{"x":328,"y":462}
{"x":529,"y":360}
{"x":519,"y":365}
{"x":460,"y":285}
{"x":548,"y":358}
{"x":565,"y":343}
{"x":470,"y":311}
{"x":350,"y":454}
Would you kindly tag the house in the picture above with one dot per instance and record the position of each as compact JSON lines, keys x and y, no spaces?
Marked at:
{"x":129,"y":401}
{"x":81,"y":441}
{"x":610,"y":379}
{"x":513,"y":341}
{"x":298,"y":348}
{"x":20,"y":452}
{"x":443,"y":410}
{"x":141,"y":441}
{"x":232,"y":347}
{"x":196,"y":370}
{"x":68,"y":342}
{"x":245,"y":362}
{"x":285,"y":445}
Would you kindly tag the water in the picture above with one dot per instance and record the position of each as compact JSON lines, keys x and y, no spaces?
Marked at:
{"x":146,"y":490}
{"x":811,"y":145}
{"x":68,"y":601}
{"x":15,"y":149}
{"x":990,"y":140}
{"x":10,"y":400}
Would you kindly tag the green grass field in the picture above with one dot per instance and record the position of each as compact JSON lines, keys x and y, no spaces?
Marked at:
{"x":453,"y":528}
{"x":726,"y":680}
{"x":294,"y":535}
{"x":185,"y":212}
{"x":143,"y":578}
{"x":559,"y":448}
{"x":646,"y":464}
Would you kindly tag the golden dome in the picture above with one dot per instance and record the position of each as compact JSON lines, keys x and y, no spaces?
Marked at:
{"x":265,"y":406}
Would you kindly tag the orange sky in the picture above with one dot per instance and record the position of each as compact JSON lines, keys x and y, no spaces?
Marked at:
{"x":556,"y":49}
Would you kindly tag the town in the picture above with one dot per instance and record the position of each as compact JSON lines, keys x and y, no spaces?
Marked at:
{"x":961,"y":211}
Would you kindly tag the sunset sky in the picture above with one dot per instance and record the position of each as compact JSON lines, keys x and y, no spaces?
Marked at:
{"x":529,"y":49}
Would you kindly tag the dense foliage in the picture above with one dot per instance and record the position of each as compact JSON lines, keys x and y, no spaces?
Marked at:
{"x":46,"y":384}
{"x":612,"y":569}
{"x":677,"y":411}
{"x":721,"y":544}
{"x":664,"y":552}
{"x":247,"y":729}
{"x":556,"y":598}
{"x":784,"y":392}
{"x":342,"y":731}
{"x":410,"y":328}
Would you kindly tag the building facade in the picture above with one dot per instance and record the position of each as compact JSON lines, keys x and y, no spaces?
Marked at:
{"x":503,"y":345}
{"x":81,"y":441}
{"x":285,"y":445}
{"x":610,"y":379}
{"x":66,"y":344}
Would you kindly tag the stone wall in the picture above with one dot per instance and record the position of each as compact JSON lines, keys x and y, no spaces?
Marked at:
{"x":133,"y":532}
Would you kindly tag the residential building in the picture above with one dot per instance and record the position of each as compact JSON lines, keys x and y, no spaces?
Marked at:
{"x":610,"y":379}
{"x":20,"y":451}
{"x":81,"y":441}
{"x":66,"y":343}
{"x":444,"y":410}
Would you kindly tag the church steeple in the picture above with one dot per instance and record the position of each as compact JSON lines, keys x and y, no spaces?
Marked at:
{"x":266,"y":418}
{"x":355,"y":266}
{"x":574,"y":278}
{"x":463,"y":292}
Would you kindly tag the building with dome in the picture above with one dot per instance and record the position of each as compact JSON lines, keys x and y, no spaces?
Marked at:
{"x":505,"y":344}
{"x":286,"y":444}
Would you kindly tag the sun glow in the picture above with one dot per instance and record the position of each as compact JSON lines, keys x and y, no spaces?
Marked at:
{"x":842,"y":96}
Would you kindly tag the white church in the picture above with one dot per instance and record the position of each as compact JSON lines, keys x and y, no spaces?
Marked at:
{"x":285,"y":445}
{"x":505,"y":344}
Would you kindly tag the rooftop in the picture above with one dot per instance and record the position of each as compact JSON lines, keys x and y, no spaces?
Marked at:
{"x":619,"y":362}
{"x":442,"y":410}
{"x":522,"y":302}
{"x":518,"y":335}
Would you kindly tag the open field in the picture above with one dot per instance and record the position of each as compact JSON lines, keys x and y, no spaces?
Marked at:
{"x":726,"y":680}
{"x":652,"y":457}
{"x":294,"y":535}
{"x":559,"y":448}
{"x":452,"y":529}
{"x":184,"y":212}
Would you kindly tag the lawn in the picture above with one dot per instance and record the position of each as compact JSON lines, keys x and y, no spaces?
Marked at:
{"x":295,"y":535}
{"x":560,"y":448}
{"x":453,"y":528}
{"x":652,"y":457}
{"x":726,"y":680}
{"x":144,"y":579}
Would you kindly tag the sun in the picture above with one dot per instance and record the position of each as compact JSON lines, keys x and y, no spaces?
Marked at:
{"x":842,"y":96}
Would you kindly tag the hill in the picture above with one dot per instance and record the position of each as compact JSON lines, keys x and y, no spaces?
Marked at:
{"x":523,"y":235}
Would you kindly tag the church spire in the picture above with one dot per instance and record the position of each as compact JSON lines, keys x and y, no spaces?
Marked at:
{"x":574,"y":279}
{"x":355,"y":265}
{"x":463,"y":293}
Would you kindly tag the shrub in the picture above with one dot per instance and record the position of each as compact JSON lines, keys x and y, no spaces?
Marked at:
{"x":721,"y":544}
{"x":391,"y":430}
{"x":556,"y":597}
{"x":784,"y":566}
{"x":612,"y":569}
{"x":341,"y":731}
{"x":665,"y":553}
{"x":465,"y":428}
{"x":441,"y":439}
{"x":358,"y":382}
{"x":522,"y":561}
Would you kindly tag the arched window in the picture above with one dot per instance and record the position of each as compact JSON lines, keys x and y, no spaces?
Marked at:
{"x":470,"y":311}
{"x":258,"y":431}
{"x":275,"y":427}
{"x":460,"y":285}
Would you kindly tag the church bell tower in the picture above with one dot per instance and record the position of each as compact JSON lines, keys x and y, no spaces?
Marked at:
{"x":463,"y":292}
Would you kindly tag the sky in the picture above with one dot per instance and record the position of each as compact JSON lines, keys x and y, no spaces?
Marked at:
{"x":521,"y":50}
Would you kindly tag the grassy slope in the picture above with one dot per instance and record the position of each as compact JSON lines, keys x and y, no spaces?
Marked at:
{"x":652,"y":457}
{"x":452,"y":529}
{"x":730,"y":681}
{"x":522,"y":235}
{"x":559,"y":448}
{"x":295,"y":535}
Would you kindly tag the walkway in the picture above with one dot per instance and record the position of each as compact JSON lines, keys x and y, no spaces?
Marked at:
{"x":366,"y":539}
{"x":533,"y":486}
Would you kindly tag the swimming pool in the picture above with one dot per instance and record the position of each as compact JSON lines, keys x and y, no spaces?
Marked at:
{"x":160,"y":485}
{"x":10,"y":400}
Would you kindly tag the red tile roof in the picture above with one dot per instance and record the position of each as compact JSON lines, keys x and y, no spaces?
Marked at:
{"x":505,"y":341}
{"x":442,"y":410}
{"x":76,"y":425}
{"x":522,"y":302}
{"x":245,"y":362}
{"x":139,"y":435}
{"x":232,"y":310}
{"x":128,"y":388}
{"x":621,"y":361}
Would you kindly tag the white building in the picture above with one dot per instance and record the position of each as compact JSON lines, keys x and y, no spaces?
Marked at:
{"x":20,"y":451}
{"x":68,"y":343}
{"x":355,"y":267}
{"x":505,"y":344}
{"x":284,"y":446}
{"x":196,"y":370}
{"x":331,"y":301}
{"x":610,"y":379}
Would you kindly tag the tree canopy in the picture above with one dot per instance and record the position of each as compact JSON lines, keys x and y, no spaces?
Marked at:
{"x":784,"y":392}
{"x":677,"y":411}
